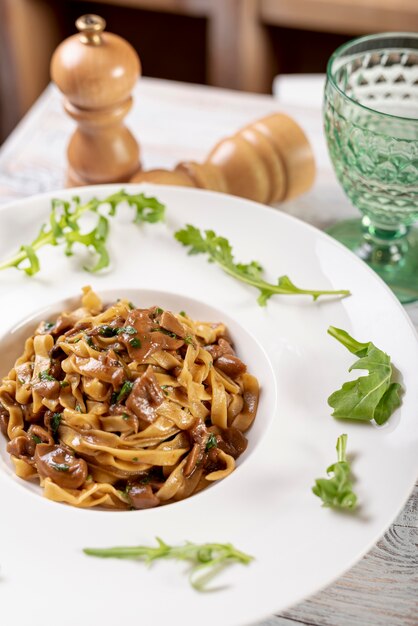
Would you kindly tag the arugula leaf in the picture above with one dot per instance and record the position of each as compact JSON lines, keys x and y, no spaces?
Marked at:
{"x":219,"y":251}
{"x":95,"y":240}
{"x":208,"y":558}
{"x":30,"y":254}
{"x":63,"y":227}
{"x":336,"y":491}
{"x":369,"y":397}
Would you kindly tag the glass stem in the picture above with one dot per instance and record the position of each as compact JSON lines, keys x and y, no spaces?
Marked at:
{"x":384,"y":248}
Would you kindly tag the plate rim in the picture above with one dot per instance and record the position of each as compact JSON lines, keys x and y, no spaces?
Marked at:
{"x":100,"y":189}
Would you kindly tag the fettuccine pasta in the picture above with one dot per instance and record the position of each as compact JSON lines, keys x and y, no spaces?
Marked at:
{"x":126,"y":408}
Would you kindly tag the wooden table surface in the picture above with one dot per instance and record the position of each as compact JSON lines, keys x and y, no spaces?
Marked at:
{"x":175,"y":122}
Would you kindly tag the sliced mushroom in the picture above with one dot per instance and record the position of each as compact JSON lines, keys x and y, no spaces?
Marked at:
{"x":47,"y":388}
{"x":213,"y":461}
{"x":251,"y":395}
{"x":233,"y":442}
{"x":216,"y":350}
{"x":51,"y":424}
{"x":67,"y":321}
{"x":231,"y":365}
{"x":56,"y":368}
{"x":199,"y":433}
{"x":169,"y":322}
{"x":141,"y":319}
{"x":105,"y":367}
{"x":24,"y":372}
{"x":142,"y":497}
{"x":23,"y":447}
{"x":145,"y":397}
{"x":37,"y":431}
{"x":225,"y":346}
{"x":57,"y":352}
{"x":148,"y":338}
{"x":60,"y":466}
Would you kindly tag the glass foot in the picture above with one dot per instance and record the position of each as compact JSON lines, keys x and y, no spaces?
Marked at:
{"x":395,"y":260}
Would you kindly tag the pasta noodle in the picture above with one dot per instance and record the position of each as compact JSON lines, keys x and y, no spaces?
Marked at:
{"x":126,"y":408}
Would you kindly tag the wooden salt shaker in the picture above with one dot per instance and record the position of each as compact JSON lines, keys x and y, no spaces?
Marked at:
{"x":96,"y":71}
{"x":268,"y":161}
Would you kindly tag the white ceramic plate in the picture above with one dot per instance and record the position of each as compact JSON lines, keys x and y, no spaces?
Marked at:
{"x":266,"y":507}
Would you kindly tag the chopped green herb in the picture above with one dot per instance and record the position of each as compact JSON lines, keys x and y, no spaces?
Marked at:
{"x":125,"y":390}
{"x":159,"y":310}
{"x":131,"y":305}
{"x":125,"y":416}
{"x":48,"y":325}
{"x":89,"y":341}
{"x":337,"y":492}
{"x":130,"y":330}
{"x":60,"y":467}
{"x":135,"y":459}
{"x":64,"y":383}
{"x":89,"y":478}
{"x":212,"y":442}
{"x":36,"y":439}
{"x":46,"y":376}
{"x":78,"y":407}
{"x":188,"y":339}
{"x":183,"y":313}
{"x":135,"y":342}
{"x":77,"y":340}
{"x":22,"y":382}
{"x":114,"y":397}
{"x":164,"y":388}
{"x":55,"y":422}
{"x":369,"y":397}
{"x":219,"y":251}
{"x":166,"y":332}
{"x":206,"y":559}
{"x":108,"y":331}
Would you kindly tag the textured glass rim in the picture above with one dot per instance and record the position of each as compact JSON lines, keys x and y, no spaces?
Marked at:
{"x":341,"y":49}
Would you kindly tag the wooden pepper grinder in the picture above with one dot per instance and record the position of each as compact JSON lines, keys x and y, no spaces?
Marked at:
{"x":96,"y":71}
{"x":268,"y":161}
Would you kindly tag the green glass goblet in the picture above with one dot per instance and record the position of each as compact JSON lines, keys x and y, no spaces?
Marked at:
{"x":371,"y":126}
